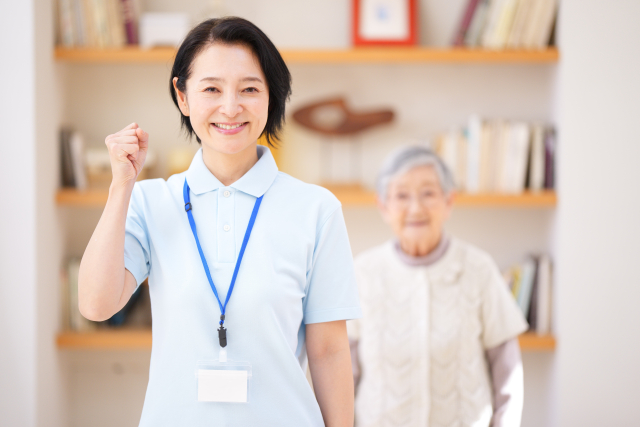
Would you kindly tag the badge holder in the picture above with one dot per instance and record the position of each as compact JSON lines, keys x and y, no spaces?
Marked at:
{"x":223,"y":380}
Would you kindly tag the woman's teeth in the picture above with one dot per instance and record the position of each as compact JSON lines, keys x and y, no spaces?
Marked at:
{"x":223,"y":126}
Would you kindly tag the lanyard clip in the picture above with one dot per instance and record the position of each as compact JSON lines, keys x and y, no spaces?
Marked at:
{"x":187,"y":207}
{"x":222,"y":336}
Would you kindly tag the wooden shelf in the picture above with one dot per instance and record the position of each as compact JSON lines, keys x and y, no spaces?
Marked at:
{"x":106,"y":339}
{"x":137,"y":339}
{"x":332,"y":56}
{"x":349,"y":195}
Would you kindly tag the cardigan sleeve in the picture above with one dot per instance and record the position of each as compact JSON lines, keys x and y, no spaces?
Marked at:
{"x":502,"y":319}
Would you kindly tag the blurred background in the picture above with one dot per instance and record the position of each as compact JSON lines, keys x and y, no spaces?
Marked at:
{"x":535,"y":105}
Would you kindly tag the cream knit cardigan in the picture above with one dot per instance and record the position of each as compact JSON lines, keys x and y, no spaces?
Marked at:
{"x":423,"y":336}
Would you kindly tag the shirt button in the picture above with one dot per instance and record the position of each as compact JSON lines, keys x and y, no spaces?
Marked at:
{"x":227,"y":193}
{"x":227,"y":227}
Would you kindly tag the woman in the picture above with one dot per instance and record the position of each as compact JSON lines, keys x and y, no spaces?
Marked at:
{"x":437,"y":343}
{"x":240,"y":257}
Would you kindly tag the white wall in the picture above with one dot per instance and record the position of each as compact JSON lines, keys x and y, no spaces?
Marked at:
{"x":18,"y":278}
{"x":598,"y":215}
{"x":30,"y":392}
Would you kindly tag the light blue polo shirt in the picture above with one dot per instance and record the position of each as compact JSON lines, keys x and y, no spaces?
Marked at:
{"x":297,"y":269}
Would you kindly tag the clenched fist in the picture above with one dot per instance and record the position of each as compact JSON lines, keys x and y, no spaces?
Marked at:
{"x":127,"y":150}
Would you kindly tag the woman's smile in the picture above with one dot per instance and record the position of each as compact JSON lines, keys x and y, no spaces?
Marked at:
{"x":230,"y":128}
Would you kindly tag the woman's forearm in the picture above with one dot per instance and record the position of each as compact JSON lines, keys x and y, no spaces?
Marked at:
{"x":505,"y":363}
{"x":330,"y":367}
{"x":101,"y":280}
{"x":333,"y":385}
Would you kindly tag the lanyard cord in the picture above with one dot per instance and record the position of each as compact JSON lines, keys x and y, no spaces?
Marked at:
{"x":188,"y":207}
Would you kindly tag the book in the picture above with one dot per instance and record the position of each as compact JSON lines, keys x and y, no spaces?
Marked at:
{"x":549,"y":158}
{"x":545,"y":24}
{"x":537,"y":154}
{"x":543,"y":308}
{"x":476,"y":28}
{"x":128,"y":11}
{"x":115,"y":21}
{"x":76,"y":147}
{"x":66,"y":164}
{"x":492,"y":21}
{"x":465,"y":22}
{"x":526,"y":285}
{"x":532,"y":319}
{"x":474,"y":133}
{"x":66,"y":27}
{"x":505,"y":23}
{"x":514,"y":40}
{"x":517,"y":158}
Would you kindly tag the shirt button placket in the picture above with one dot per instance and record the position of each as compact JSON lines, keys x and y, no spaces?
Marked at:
{"x":226,"y":238}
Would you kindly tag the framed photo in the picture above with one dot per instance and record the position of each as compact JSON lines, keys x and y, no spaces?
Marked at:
{"x":384,"y":22}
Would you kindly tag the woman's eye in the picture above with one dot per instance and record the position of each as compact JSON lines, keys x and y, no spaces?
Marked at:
{"x":402,"y":196}
{"x":211,"y":89}
{"x":251,"y":90}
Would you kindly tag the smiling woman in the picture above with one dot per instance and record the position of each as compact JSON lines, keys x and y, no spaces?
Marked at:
{"x":250,"y":270}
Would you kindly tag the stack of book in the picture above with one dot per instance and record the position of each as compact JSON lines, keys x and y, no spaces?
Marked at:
{"x":97,"y":23}
{"x":530,"y":284}
{"x":500,"y":156}
{"x":507,"y":24}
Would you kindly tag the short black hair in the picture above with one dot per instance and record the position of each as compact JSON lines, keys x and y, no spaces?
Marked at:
{"x":233,"y":30}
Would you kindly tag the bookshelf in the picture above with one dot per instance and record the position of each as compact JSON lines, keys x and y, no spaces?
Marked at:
{"x":333,"y":56}
{"x":140,"y":339}
{"x":349,"y":195}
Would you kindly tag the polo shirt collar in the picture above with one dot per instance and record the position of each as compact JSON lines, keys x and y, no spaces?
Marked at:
{"x":255,"y":182}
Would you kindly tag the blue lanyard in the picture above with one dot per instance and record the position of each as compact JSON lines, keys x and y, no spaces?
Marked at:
{"x":222,"y":332}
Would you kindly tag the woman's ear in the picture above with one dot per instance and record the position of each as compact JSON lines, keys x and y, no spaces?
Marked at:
{"x":182,"y":98}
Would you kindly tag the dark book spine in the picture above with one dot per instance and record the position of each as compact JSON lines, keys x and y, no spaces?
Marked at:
{"x":129,"y":19}
{"x":549,"y":158}
{"x":66,"y":165}
{"x":458,"y":40}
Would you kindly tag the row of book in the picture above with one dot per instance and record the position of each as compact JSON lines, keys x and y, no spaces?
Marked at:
{"x":530,"y":284}
{"x":135,"y":314}
{"x":500,"y":156}
{"x":507,"y":24}
{"x":97,"y":23}
{"x":83,"y":167}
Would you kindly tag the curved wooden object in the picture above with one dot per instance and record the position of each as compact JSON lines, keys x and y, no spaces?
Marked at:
{"x":351,"y":123}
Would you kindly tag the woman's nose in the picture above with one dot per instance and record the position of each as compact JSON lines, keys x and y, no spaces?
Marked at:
{"x":230,"y":105}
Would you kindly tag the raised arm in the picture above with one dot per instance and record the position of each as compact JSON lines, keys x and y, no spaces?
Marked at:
{"x":104,"y":285}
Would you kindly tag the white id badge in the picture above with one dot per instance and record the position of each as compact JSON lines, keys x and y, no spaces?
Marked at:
{"x":223,"y":380}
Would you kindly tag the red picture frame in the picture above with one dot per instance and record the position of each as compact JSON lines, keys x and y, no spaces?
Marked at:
{"x":412,"y":36}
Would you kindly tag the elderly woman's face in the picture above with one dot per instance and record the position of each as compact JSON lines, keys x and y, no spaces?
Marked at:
{"x":416,"y":207}
{"x":227,"y":98}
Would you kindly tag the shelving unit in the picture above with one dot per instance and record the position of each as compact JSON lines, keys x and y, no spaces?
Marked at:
{"x":140,"y":339}
{"x":348,"y":196}
{"x":359,"y":55}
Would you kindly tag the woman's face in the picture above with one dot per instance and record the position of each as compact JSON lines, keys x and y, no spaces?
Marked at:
{"x":227,"y":98}
{"x":416,"y":207}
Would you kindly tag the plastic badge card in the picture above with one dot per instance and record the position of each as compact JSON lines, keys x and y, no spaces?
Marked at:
{"x":223,"y":380}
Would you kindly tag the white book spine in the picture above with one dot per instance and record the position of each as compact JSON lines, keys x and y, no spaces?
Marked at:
{"x":474,"y":133}
{"x":536,"y":171}
{"x":544,"y":296}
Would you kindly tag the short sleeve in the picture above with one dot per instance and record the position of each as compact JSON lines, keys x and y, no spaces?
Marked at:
{"x":136,"y":238}
{"x":331,"y":290}
{"x":501,"y":316}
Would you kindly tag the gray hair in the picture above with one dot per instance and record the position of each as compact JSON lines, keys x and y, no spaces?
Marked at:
{"x":406,"y":158}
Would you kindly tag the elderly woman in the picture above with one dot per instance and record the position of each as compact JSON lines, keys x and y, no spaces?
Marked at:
{"x":437,"y":343}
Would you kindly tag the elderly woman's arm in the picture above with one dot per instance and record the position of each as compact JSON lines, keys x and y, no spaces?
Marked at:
{"x":505,"y":363}
{"x":330,"y":367}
